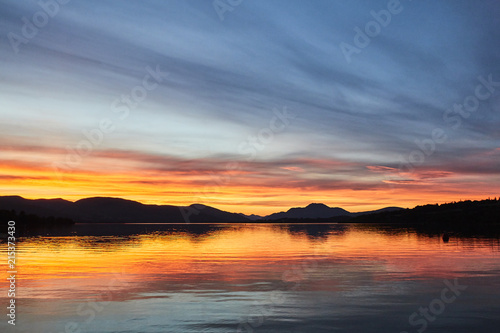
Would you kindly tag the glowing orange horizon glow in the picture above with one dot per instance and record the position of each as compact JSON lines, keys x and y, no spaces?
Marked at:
{"x":252,"y":189}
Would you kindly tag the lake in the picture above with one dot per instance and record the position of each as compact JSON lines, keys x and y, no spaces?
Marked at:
{"x":254,"y":278}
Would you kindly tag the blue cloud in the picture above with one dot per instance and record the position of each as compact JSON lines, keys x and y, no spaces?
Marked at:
{"x":225,"y":77}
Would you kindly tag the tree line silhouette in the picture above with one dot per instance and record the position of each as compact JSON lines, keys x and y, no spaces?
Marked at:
{"x":23,"y":219}
{"x":453,"y":213}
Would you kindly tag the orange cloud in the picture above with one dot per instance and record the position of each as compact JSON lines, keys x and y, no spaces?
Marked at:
{"x":260,"y":187}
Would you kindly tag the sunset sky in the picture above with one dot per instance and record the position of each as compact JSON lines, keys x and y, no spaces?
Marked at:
{"x":255,"y":109}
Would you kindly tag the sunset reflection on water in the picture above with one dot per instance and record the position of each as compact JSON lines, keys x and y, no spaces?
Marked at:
{"x":182,"y":280}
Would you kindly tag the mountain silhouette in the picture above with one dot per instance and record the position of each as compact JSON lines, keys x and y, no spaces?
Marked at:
{"x":251,"y":217}
{"x":452,"y":214}
{"x":321,"y":211}
{"x":312,"y":211}
{"x":115,"y":210}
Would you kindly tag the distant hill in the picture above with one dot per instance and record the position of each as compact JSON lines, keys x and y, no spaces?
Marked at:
{"x":115,"y":210}
{"x":452,"y":214}
{"x":312,"y":211}
{"x":251,"y":217}
{"x":383,"y":210}
{"x":40,"y":207}
{"x":321,"y":211}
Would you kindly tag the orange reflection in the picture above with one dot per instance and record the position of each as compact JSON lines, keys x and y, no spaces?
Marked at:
{"x":79,"y":267}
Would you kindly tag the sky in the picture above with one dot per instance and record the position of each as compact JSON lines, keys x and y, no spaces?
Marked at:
{"x":251,"y":106}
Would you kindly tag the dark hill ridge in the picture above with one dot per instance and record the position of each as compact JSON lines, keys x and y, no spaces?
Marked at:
{"x":451,"y":214}
{"x":321,"y":211}
{"x":383,"y":210}
{"x":115,"y":210}
{"x":312,"y":211}
{"x":40,"y":207}
{"x":251,"y":217}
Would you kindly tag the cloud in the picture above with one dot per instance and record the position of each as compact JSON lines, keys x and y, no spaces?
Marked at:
{"x":353,"y":120}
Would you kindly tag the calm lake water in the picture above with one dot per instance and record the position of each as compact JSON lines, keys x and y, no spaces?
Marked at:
{"x":254,"y":278}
